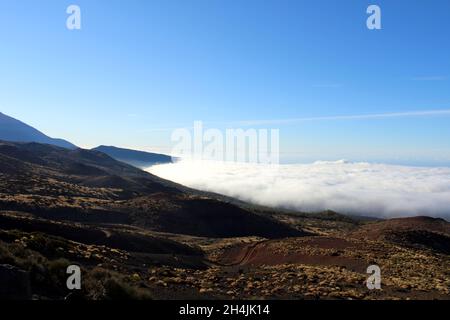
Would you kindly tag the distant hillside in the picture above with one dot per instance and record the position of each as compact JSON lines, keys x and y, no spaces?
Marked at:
{"x":14,"y":130}
{"x":89,"y":186}
{"x":135,"y":158}
{"x":422,"y":232}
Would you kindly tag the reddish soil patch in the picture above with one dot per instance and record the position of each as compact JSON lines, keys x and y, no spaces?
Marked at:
{"x":329,"y":243}
{"x":269,"y":253}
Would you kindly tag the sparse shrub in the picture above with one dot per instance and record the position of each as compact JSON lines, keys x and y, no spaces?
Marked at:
{"x":100,"y":284}
{"x":6,"y":257}
{"x":48,"y":246}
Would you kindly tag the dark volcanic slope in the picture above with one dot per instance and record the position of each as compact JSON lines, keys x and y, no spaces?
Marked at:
{"x":135,"y":158}
{"x":125,"y":240}
{"x":204,"y":217}
{"x":423,"y":232}
{"x":89,"y":186}
{"x":15,"y":130}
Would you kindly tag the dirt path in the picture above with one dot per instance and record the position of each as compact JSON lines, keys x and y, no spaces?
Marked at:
{"x":240,"y":255}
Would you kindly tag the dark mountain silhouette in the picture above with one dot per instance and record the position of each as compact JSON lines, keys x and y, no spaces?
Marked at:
{"x":14,"y":130}
{"x":135,"y":158}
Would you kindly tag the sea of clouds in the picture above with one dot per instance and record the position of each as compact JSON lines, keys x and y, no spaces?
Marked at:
{"x":355,"y":188}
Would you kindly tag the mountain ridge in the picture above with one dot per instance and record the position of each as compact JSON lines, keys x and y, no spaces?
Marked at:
{"x":15,"y":130}
{"x":137,"y":158}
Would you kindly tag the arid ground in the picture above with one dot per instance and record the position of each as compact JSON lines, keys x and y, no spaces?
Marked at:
{"x":137,"y":236}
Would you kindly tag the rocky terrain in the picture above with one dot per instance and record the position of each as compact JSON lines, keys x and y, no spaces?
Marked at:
{"x":137,"y":236}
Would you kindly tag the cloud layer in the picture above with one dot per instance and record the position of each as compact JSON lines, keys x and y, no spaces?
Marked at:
{"x":356,"y":188}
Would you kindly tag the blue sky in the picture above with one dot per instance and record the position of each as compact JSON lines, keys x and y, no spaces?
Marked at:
{"x":139,"y":68}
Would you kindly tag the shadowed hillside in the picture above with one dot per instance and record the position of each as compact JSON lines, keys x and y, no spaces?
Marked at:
{"x":15,"y":130}
{"x":419,"y":232}
{"x":89,"y":186}
{"x":135,"y":158}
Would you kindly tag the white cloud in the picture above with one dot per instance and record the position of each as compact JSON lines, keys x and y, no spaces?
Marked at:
{"x":356,"y":188}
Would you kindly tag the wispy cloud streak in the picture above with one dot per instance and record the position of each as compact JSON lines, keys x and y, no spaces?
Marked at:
{"x":422,"y":113}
